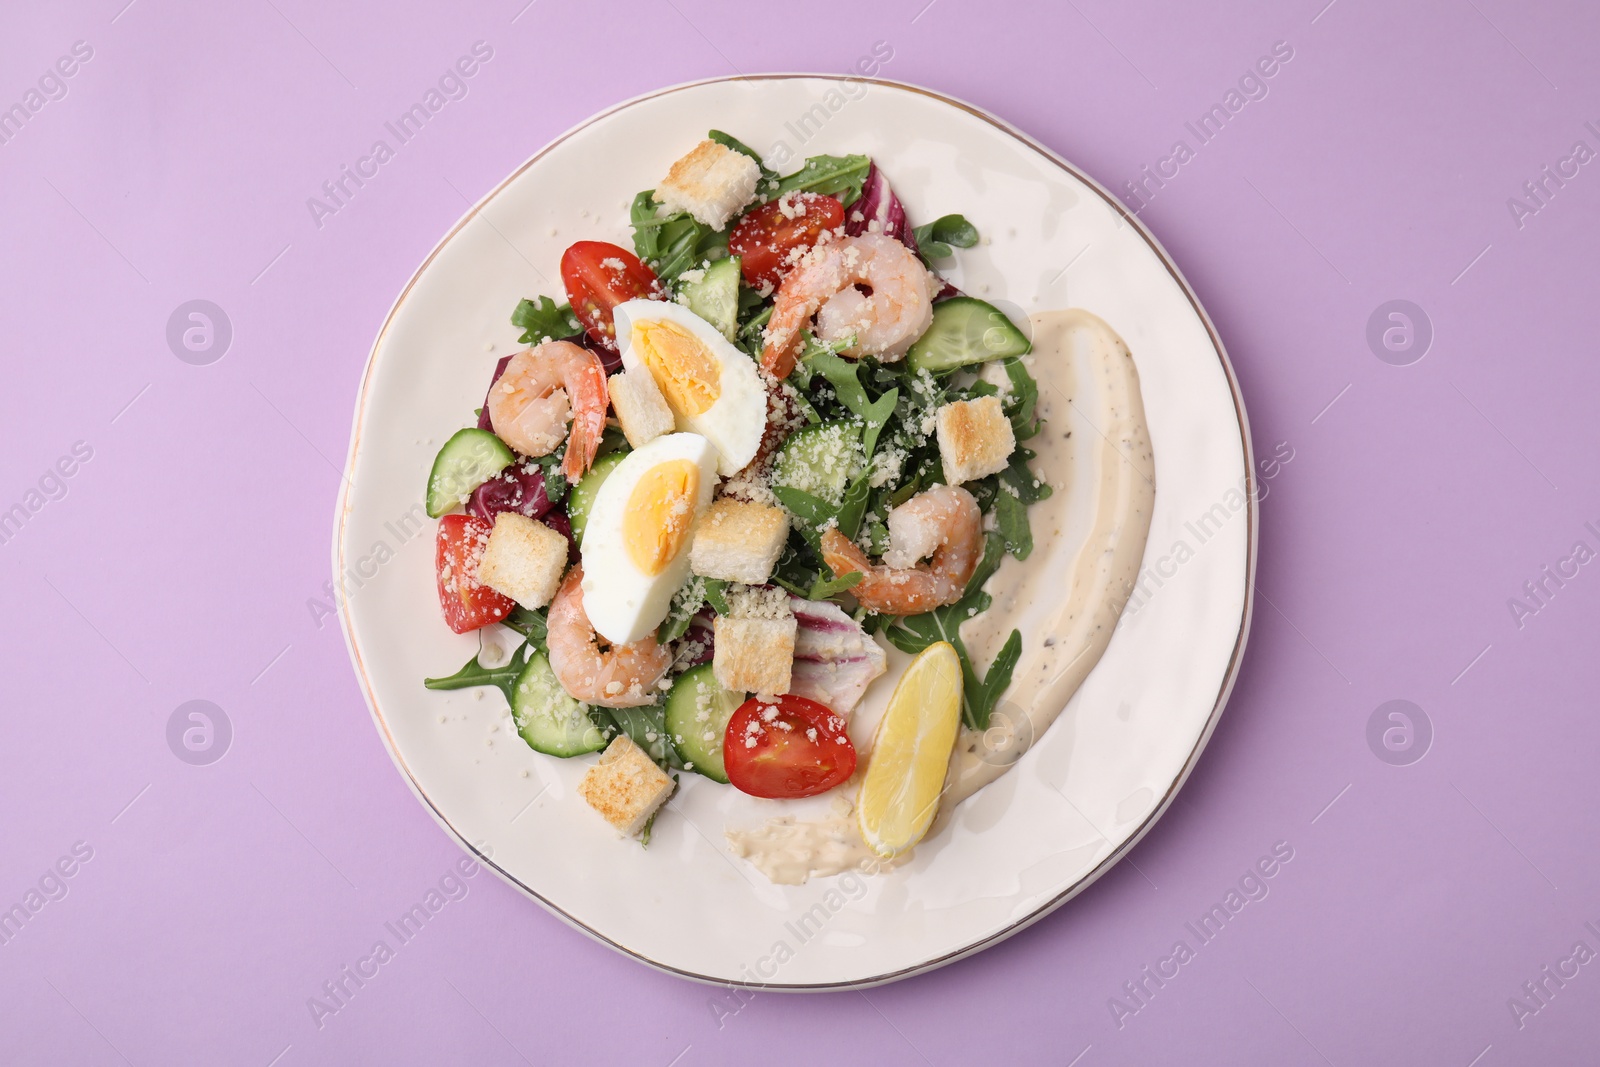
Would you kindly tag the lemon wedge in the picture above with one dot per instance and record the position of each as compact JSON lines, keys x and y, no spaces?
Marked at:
{"x":911,"y":752}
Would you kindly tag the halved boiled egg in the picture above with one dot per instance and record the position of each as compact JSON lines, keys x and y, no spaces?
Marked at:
{"x":712,"y":388}
{"x":636,"y":539}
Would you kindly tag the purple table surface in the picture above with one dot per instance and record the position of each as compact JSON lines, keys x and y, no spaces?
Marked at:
{"x":1424,"y":536}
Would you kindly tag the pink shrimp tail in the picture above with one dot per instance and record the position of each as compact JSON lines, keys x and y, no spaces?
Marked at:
{"x":588,"y":419}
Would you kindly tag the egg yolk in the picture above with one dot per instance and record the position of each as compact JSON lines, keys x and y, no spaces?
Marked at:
{"x":660,"y":513}
{"x":687,"y":372}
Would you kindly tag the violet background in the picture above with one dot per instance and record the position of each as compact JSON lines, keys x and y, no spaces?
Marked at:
{"x":180,"y":563}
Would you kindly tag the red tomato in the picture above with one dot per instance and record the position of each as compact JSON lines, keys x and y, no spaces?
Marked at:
{"x":766,"y":236}
{"x":467,"y":602}
{"x":793,"y":748}
{"x":599,"y":276}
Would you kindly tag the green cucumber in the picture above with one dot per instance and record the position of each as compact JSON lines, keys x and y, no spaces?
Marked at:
{"x":466,"y":461}
{"x":581,"y":499}
{"x":820,"y":460}
{"x":698,"y":710}
{"x":548,"y":718}
{"x":966,"y":330}
{"x":715,"y":297}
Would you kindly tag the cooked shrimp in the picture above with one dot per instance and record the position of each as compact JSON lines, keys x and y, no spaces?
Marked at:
{"x":541,"y":389}
{"x":886,"y":319}
{"x":943,"y":522}
{"x":621,"y":676}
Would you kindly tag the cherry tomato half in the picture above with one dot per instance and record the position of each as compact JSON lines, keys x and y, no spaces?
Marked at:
{"x":599,"y":276}
{"x":792,"y":748}
{"x":468,"y":604}
{"x":766,"y":236}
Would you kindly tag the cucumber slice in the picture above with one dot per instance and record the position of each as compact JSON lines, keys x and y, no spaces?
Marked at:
{"x":548,"y":718}
{"x":581,"y":499}
{"x":820,"y":460}
{"x":466,"y":461}
{"x":966,"y":330}
{"x":715,"y":297}
{"x":698,"y":710}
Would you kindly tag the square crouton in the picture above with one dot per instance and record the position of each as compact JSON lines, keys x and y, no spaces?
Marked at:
{"x":626,"y":787}
{"x":711,"y":183}
{"x":975,"y":438}
{"x":640,"y":407}
{"x":738,"y":541}
{"x":524,"y":559}
{"x":755,"y":644}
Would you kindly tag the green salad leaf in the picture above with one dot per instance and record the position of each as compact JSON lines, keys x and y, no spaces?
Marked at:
{"x":717,"y":596}
{"x":936,"y":239}
{"x":813,"y":512}
{"x":826,"y":588}
{"x":686,"y":604}
{"x":475,"y":673}
{"x":913,"y":633}
{"x":541,"y":317}
{"x":839,"y":176}
{"x":530,"y":623}
{"x":555,"y":480}
{"x":1020,"y":402}
{"x":647,"y":726}
{"x":673,"y":243}
{"x":844,"y":376}
{"x":1011,"y":519}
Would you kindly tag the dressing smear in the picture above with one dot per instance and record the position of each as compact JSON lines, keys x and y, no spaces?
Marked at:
{"x":1095,"y":451}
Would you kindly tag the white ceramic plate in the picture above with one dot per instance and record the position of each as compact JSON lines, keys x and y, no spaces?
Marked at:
{"x":1074,"y":804}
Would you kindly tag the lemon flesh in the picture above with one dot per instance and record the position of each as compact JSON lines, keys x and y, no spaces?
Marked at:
{"x":911,"y":752}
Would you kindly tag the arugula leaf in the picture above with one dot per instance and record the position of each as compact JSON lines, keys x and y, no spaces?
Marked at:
{"x":646,"y":226}
{"x":727,"y":140}
{"x":840,"y":176}
{"x":1017,"y":488}
{"x":673,"y":243}
{"x":647,"y":726}
{"x":844,"y":376}
{"x":541,"y":317}
{"x":686,"y":603}
{"x":813,"y":512}
{"x":799,"y":589}
{"x":916,"y":632}
{"x":827,"y":588}
{"x":530,"y":624}
{"x":934,"y":240}
{"x":476,"y":674}
{"x":750,"y":331}
{"x":1020,"y":402}
{"x":686,"y":243}
{"x":854,"y":505}
{"x":995,"y":680}
{"x":1011,"y":518}
{"x":555,"y":481}
{"x":794,"y":574}
{"x":1028,"y":486}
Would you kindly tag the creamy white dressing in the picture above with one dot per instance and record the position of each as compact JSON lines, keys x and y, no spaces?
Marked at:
{"x":789,"y":850}
{"x":1095,"y":452}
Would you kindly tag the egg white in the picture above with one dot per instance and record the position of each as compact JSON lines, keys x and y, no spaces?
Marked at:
{"x":624,"y":603}
{"x":736,"y":420}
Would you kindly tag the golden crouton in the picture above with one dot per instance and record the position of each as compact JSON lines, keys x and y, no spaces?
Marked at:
{"x":625,"y":787}
{"x":738,"y":541}
{"x":524,"y":559}
{"x":975,"y":438}
{"x":755,"y":654}
{"x":711,"y":183}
